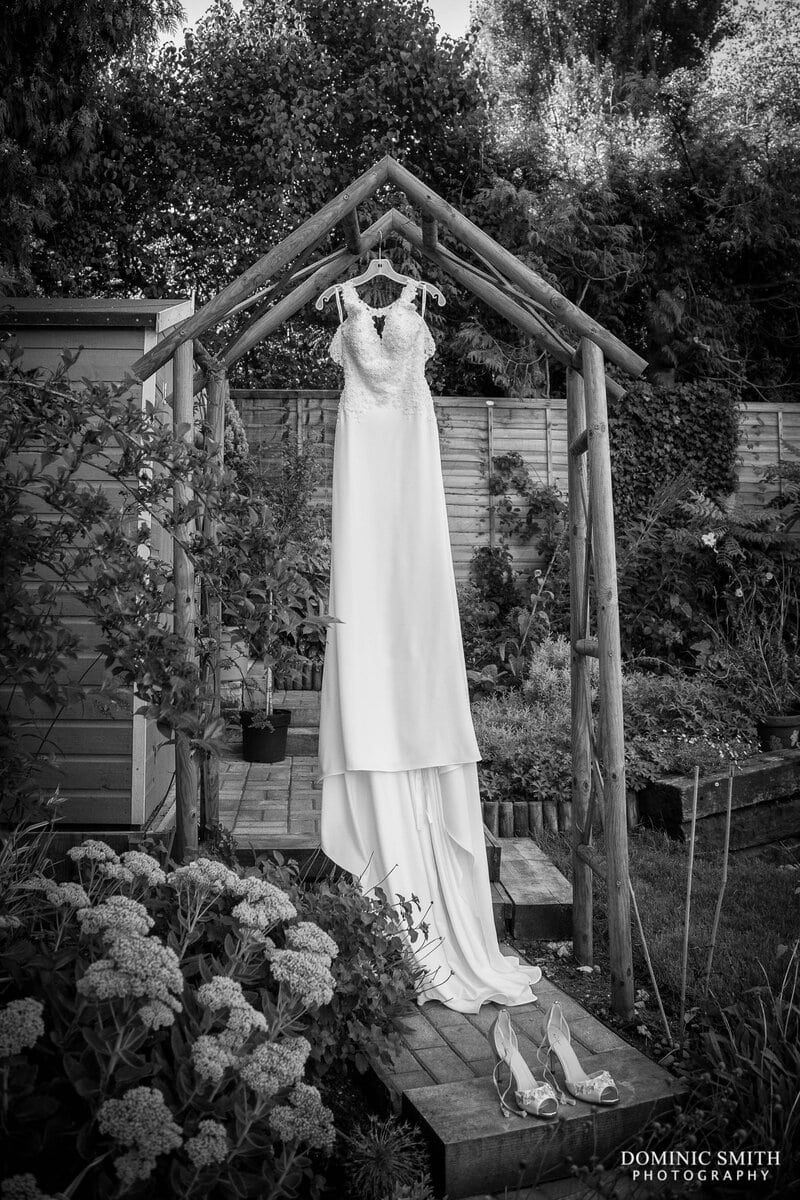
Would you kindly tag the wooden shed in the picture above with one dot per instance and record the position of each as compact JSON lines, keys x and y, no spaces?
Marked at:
{"x":110,"y":764}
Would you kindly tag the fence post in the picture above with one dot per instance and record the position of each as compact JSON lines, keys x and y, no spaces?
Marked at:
{"x":579,"y":673}
{"x":217,"y":393}
{"x":186,"y":777}
{"x":610,"y":678}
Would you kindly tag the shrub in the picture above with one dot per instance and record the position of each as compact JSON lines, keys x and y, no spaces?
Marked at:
{"x":163,"y":1022}
{"x":671,"y":722}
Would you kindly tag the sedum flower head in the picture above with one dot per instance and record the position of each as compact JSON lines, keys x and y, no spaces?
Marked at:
{"x":264,"y":915}
{"x":155,"y":1014}
{"x":140,"y":1119}
{"x":22,"y":1187}
{"x":306,"y":935}
{"x":134,"y":1166}
{"x":72,"y":894}
{"x":222,"y":993}
{"x":306,"y":975}
{"x":135,"y":966}
{"x":206,"y":875}
{"x":211,"y":1058}
{"x":275,"y":1065}
{"x":115,"y":870}
{"x":93,"y":850}
{"x":304,"y":1119}
{"x":21,"y":1025}
{"x":117,"y":915}
{"x":144,"y":866}
{"x":209,"y":1145}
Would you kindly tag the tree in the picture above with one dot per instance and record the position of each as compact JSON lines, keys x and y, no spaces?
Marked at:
{"x":55,"y":56}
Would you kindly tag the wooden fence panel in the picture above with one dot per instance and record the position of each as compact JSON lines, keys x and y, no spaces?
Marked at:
{"x":535,"y":428}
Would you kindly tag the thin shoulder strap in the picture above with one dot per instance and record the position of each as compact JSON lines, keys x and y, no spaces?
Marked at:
{"x":424,"y":297}
{"x":338,"y":294}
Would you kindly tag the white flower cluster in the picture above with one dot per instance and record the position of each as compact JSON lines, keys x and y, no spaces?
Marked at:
{"x":262,"y":905}
{"x":115,"y":870}
{"x":211,"y":1058}
{"x":137,"y":966}
{"x":221,"y":993}
{"x":72,"y":895}
{"x":139,"y":1119}
{"x":306,"y":935}
{"x":143,"y":866}
{"x":209,"y":1145}
{"x":275,"y":1065}
{"x":304,"y":1119}
{"x":22,"y":1187}
{"x":93,"y":851}
{"x":306,"y":975}
{"x":205,"y":875}
{"x":117,"y":914}
{"x":21,"y":1025}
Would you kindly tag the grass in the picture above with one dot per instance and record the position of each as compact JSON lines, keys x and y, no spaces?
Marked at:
{"x":760,"y":914}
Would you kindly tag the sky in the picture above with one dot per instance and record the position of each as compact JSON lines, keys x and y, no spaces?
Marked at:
{"x":451,"y":15}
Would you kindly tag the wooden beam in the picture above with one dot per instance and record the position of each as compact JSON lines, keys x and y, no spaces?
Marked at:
{"x":588,"y":647}
{"x":430,"y":231}
{"x":476,"y":283}
{"x":308,"y":290}
{"x":612,"y":733}
{"x":312,"y":230}
{"x":580,"y":444}
{"x":186,"y":779}
{"x":581,"y":715}
{"x":352,"y":232}
{"x":515,"y":270}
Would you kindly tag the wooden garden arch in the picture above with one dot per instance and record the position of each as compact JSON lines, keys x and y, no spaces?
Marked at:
{"x":283,"y":282}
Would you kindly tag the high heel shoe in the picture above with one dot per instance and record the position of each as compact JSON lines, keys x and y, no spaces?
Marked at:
{"x":598,"y":1088}
{"x":533,"y":1096}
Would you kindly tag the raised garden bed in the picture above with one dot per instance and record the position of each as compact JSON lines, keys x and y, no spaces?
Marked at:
{"x":765,"y":806}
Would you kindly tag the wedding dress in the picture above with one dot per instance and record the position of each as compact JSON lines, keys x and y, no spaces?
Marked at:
{"x":398,"y":755}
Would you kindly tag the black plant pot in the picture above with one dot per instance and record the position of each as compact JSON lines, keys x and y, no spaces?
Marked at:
{"x":265,"y":743}
{"x":779,"y":732}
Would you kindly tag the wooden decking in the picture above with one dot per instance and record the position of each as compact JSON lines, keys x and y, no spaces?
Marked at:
{"x":441,"y":1080}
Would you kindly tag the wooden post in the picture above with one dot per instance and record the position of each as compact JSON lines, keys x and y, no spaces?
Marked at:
{"x":579,"y":677}
{"x":490,"y":466}
{"x":610,"y":681}
{"x":352,"y":232}
{"x":217,"y":391}
{"x":430,"y":231}
{"x":186,"y":780}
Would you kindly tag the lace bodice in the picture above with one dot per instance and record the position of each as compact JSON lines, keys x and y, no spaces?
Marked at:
{"x":384,"y":370}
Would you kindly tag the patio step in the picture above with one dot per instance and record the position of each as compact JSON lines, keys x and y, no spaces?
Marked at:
{"x":441,"y":1080}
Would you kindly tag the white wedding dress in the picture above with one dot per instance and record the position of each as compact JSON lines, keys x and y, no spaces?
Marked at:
{"x":400,"y":801}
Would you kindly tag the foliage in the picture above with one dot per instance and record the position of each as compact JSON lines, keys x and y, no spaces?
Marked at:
{"x":55,"y":61}
{"x":374,"y":980}
{"x":385,"y":1160}
{"x":648,"y":167}
{"x":101,"y":546}
{"x":672,"y":722}
{"x":223,"y":992}
{"x":175,"y":1014}
{"x":757,"y":656}
{"x":681,"y":563}
{"x":289,"y":529}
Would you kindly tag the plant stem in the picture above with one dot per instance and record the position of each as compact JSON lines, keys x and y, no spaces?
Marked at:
{"x":723,"y":881}
{"x":685,"y":955}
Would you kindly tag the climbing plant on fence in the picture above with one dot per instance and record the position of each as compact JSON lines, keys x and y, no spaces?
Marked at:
{"x":658,"y":433}
{"x":62,"y":534}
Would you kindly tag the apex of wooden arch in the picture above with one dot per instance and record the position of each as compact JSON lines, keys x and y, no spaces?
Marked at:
{"x":507,"y":284}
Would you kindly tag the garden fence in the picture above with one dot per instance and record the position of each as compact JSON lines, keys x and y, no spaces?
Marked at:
{"x":473,"y":429}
